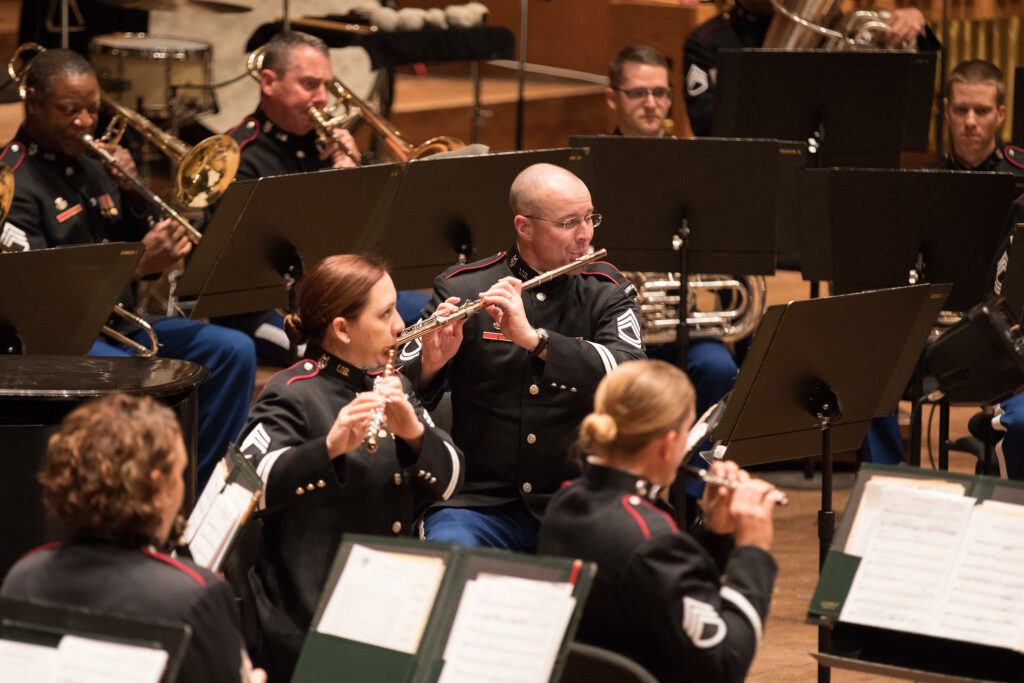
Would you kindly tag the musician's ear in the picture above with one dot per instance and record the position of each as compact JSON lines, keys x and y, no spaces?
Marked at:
{"x":31,"y":99}
{"x":339,"y":329}
{"x":524,"y":228}
{"x":267,"y":80}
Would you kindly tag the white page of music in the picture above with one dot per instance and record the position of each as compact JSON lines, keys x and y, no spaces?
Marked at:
{"x":383,"y":598}
{"x":85,"y":660}
{"x":907,"y":551}
{"x":222,"y":519}
{"x":984,"y":599}
{"x":27,"y":662}
{"x":507,"y":630}
{"x":214,"y":486}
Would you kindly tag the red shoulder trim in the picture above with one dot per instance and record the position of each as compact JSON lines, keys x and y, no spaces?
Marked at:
{"x":316,"y":371}
{"x":255,"y":131}
{"x":20,"y":153}
{"x":668,"y":518}
{"x":591,"y":272}
{"x":565,"y":484}
{"x":1014,"y":154}
{"x":478,"y":266}
{"x":52,"y":545}
{"x":176,"y":564}
{"x":636,"y":516}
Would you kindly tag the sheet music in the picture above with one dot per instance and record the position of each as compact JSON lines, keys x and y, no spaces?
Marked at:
{"x":222,"y":520}
{"x":383,"y":598}
{"x":507,"y":630}
{"x":909,"y":541}
{"x":85,"y":660}
{"x":984,"y":600}
{"x":214,"y":485}
{"x":26,"y":662}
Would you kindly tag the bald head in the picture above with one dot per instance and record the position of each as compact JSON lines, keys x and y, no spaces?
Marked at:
{"x":539,"y":185}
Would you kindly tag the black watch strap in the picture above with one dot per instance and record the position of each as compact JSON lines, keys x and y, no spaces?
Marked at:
{"x":542,"y":342}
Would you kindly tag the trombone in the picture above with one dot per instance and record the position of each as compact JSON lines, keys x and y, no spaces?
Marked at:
{"x":6,"y":199}
{"x":325,"y":121}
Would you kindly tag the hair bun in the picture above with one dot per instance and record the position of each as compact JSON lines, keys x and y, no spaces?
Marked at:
{"x":294,"y":329}
{"x":598,"y":429}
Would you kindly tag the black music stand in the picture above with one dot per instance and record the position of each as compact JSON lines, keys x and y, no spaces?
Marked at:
{"x":816,"y":374}
{"x":856,"y":108}
{"x":56,"y":300}
{"x":45,"y":624}
{"x":919,"y":228}
{"x":264,"y":231}
{"x":671,"y":205}
{"x":450,"y":210}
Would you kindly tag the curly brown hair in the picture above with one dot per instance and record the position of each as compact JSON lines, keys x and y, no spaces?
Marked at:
{"x":96,"y":473}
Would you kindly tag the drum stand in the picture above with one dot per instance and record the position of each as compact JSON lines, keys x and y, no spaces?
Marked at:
{"x":66,"y":7}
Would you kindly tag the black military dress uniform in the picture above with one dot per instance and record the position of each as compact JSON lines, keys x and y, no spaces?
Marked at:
{"x":515,"y":416}
{"x":1003,"y":159}
{"x":687,"y":610}
{"x":136,"y":580}
{"x":311,"y":500}
{"x":64,"y":200}
{"x":267,"y":150}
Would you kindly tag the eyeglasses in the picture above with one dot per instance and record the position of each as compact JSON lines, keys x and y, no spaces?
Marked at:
{"x":592,"y":219}
{"x":642,"y":93}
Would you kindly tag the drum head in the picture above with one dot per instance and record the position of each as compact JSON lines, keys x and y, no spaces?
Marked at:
{"x":148,"y":46}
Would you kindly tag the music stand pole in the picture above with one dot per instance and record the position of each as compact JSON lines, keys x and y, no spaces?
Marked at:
{"x":521,"y":98}
{"x":286,"y":22}
{"x":65,"y":29}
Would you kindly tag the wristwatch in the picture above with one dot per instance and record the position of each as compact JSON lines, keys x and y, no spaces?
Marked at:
{"x":542,"y":342}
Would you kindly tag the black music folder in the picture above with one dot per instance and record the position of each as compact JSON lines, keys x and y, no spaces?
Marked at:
{"x":40,"y":640}
{"x":923,"y":578}
{"x":861,"y":107}
{"x":869,"y":228}
{"x":402,"y":610}
{"x":56,"y":300}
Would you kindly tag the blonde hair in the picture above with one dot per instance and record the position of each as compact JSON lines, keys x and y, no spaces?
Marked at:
{"x":637,"y":402}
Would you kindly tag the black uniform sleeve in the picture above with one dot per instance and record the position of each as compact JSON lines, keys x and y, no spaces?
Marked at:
{"x":286,"y":457}
{"x":438,"y":468}
{"x":581,"y":363}
{"x":216,"y":651}
{"x":700,"y":67}
{"x":710,"y":629}
{"x":25,"y":216}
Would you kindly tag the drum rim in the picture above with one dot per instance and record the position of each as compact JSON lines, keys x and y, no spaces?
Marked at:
{"x":176,"y":53}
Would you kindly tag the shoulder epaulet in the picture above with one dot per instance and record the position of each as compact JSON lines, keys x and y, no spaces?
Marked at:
{"x":644,"y":514}
{"x":13,"y":155}
{"x":602,"y":270}
{"x":175,"y":564}
{"x":1015,"y":155}
{"x":476,"y":265}
{"x":304,"y":369}
{"x":52,"y":545}
{"x":245,"y":132}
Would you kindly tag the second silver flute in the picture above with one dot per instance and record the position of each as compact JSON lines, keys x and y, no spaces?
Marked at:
{"x":700,"y":473}
{"x":439,"y":321}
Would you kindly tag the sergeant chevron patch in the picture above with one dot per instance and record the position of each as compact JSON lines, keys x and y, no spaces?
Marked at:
{"x":258,"y":437}
{"x":629,"y":329}
{"x":702,"y":624}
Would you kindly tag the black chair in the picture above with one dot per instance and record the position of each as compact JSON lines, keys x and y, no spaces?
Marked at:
{"x":589,"y":664}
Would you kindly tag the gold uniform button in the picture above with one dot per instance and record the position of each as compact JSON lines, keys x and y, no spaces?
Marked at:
{"x":396,"y":527}
{"x":321,"y":484}
{"x":534,"y":390}
{"x":310,"y":487}
{"x":541,"y":296}
{"x":527,"y":487}
{"x":398,"y":478}
{"x":531,"y":439}
{"x":299,"y":491}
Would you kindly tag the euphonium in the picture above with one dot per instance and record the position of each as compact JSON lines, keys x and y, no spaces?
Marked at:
{"x":809,"y":24}
{"x":735,"y":318}
{"x":325,"y":120}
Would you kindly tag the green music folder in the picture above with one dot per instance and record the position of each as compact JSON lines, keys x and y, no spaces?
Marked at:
{"x":403,"y":610}
{"x":928,"y":553}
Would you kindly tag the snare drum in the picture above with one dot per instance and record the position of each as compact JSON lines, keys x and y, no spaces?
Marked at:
{"x":145,"y":72}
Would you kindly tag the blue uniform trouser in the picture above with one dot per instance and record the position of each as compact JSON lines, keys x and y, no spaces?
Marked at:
{"x":1010,"y":451}
{"x":882,"y":443}
{"x":508,"y":526}
{"x":224,"y":396}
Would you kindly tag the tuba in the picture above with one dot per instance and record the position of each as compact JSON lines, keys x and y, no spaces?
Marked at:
{"x":736,"y":306}
{"x":352,"y":107}
{"x":811,"y":24}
